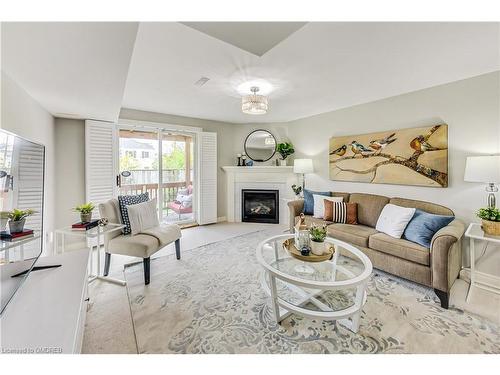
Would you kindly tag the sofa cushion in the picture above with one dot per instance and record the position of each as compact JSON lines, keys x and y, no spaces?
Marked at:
{"x":140,"y":245}
{"x":309,"y":200}
{"x":400,"y":248}
{"x":143,"y":216}
{"x":423,"y":226}
{"x":345,"y":196}
{"x":341,"y":212}
{"x":394,"y":219}
{"x":319,"y":204}
{"x":369,"y":207}
{"x":429,"y":207}
{"x":354,"y":234}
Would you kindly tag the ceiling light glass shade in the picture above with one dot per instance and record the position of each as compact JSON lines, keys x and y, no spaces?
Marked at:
{"x":254,"y":104}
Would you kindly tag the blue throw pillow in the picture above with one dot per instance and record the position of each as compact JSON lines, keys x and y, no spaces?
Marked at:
{"x":309,"y":200}
{"x":423,"y":226}
{"x":127,"y":200}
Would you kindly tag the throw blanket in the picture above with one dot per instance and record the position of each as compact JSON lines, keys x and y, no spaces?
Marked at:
{"x":164,"y":233}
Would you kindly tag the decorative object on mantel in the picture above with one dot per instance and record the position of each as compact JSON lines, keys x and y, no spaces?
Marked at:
{"x":17,"y":219}
{"x":417,"y":156}
{"x":254,"y":104}
{"x":484,"y":169}
{"x":297,"y":190}
{"x":490,"y":217}
{"x":260,"y":145}
{"x":303,"y":166}
{"x":85,"y":211}
{"x":318,"y":235}
{"x":239,"y":160}
{"x":285,"y":149}
{"x":249,"y":163}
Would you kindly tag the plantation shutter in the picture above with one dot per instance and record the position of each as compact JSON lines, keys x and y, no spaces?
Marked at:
{"x":28,"y":158}
{"x":100,"y":159}
{"x":207,"y":178}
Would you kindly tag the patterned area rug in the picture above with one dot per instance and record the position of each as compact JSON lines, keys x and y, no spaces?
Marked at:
{"x":211,"y":301}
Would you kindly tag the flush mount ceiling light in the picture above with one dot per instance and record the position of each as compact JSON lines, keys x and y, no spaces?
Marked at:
{"x":254,"y":104}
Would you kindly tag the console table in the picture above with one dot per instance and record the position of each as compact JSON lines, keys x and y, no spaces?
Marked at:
{"x":47,"y":314}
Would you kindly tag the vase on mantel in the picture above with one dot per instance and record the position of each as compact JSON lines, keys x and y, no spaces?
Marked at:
{"x":282,"y":162}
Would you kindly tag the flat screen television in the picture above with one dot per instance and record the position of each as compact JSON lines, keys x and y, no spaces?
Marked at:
{"x":22,"y":171}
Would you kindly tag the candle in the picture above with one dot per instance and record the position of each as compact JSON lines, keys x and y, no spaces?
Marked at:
{"x":238,"y":155}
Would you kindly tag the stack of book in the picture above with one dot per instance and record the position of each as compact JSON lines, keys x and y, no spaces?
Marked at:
{"x":10,"y":237}
{"x":85,"y":226}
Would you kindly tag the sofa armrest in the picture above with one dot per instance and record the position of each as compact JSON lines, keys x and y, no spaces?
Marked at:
{"x":446,"y":255}
{"x":295,"y":207}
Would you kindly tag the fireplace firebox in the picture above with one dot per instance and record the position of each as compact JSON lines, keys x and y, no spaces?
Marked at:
{"x":260,"y":206}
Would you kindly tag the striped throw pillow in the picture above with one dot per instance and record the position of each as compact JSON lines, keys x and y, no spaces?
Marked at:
{"x":340,"y":212}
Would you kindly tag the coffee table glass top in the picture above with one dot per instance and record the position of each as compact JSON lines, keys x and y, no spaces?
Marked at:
{"x":346,"y":268}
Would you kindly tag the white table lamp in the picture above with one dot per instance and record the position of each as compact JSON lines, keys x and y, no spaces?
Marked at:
{"x":484,"y":169}
{"x":303,"y":166}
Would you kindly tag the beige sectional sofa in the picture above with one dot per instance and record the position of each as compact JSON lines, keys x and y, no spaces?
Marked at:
{"x":437,"y":267}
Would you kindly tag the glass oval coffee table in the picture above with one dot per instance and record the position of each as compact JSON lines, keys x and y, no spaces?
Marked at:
{"x":331,"y":290}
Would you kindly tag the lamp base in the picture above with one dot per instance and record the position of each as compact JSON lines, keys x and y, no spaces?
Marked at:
{"x":492,"y":189}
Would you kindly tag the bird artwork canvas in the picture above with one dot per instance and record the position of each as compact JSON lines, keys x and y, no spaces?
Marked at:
{"x":415,"y":156}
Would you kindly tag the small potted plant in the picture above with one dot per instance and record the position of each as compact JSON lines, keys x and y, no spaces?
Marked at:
{"x":297,"y":190}
{"x":491,"y":220}
{"x":17,"y":219}
{"x":85,"y":211}
{"x":318,"y":235}
{"x":285,"y":149}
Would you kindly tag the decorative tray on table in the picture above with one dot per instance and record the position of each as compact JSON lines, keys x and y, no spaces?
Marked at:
{"x":289,"y":245}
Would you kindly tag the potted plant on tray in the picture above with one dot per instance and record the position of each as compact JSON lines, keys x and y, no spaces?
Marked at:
{"x":318,"y":235}
{"x":17,"y":218}
{"x":85,"y":211}
{"x":285,"y":149}
{"x":491,"y":220}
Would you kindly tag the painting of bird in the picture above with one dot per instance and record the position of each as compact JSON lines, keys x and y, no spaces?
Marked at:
{"x":380,"y":144}
{"x":359,"y":149}
{"x":340,"y":151}
{"x":420,"y":144}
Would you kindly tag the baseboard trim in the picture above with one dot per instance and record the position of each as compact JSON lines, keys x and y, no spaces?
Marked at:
{"x":221,"y":219}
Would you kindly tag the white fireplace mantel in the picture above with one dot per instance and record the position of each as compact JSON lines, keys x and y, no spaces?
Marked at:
{"x":258,"y":177}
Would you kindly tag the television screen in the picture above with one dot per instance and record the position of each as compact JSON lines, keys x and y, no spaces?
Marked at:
{"x":22,"y":167}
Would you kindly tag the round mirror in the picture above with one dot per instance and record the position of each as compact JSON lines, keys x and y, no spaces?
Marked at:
{"x":260,"y":145}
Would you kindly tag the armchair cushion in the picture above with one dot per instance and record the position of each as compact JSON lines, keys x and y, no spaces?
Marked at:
{"x":140,"y":245}
{"x":143,"y":216}
{"x":126,"y":200}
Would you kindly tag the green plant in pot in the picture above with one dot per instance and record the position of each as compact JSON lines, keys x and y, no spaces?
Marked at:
{"x":285,"y":149}
{"x":17,"y":219}
{"x":318,"y":235}
{"x":85,"y":211}
{"x":491,"y":220}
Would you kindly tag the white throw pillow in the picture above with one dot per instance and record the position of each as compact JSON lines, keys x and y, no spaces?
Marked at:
{"x":143,"y":216}
{"x":394,"y":219}
{"x":319,"y":204}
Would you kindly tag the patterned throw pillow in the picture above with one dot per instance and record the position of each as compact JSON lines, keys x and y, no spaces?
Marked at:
{"x":127,"y":200}
{"x":341,"y":212}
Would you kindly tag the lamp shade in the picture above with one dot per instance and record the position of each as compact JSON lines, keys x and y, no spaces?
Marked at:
{"x":303,"y":166}
{"x":482,"y":169}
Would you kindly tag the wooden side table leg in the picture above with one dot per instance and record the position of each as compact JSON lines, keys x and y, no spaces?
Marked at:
{"x":472,"y":267}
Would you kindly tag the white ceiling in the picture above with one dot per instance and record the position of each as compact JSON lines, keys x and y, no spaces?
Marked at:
{"x":81,"y":69}
{"x":73,"y":69}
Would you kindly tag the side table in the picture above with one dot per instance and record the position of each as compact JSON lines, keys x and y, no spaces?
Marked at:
{"x":94,"y":233}
{"x":475,"y":233}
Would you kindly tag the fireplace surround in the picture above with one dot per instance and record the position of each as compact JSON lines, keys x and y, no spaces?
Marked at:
{"x":260,"y":206}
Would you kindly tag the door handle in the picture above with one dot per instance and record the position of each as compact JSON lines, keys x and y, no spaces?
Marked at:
{"x":118,"y":181}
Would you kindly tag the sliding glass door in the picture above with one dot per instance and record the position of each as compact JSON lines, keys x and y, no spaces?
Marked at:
{"x":160,"y":163}
{"x":177,"y":177}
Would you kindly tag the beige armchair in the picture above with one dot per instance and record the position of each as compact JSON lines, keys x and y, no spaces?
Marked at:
{"x":141,"y":245}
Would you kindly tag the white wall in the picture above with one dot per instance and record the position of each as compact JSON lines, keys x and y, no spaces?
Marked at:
{"x":70,"y":167}
{"x":470,"y":107}
{"x":22,"y":115}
